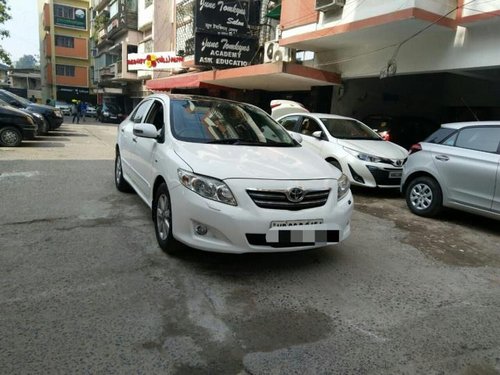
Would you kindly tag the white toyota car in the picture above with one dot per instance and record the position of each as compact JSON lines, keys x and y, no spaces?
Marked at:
{"x":351,"y":146}
{"x":224,"y":176}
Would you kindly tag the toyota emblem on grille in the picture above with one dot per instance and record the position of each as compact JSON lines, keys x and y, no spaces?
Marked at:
{"x":398,"y":163}
{"x":295,"y":195}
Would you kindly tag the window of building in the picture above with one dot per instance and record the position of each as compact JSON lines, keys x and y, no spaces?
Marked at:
{"x":65,"y":70}
{"x":65,"y":41}
{"x":148,"y":46}
{"x":148,"y":3}
{"x":64,"y":11}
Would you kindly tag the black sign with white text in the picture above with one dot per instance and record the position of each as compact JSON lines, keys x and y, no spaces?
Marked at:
{"x":224,"y":51}
{"x":222,"y":16}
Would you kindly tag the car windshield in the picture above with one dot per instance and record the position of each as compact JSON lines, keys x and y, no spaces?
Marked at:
{"x":111,"y":108}
{"x":349,"y":129}
{"x":62,"y":104}
{"x":215,"y":121}
{"x":24,"y":101}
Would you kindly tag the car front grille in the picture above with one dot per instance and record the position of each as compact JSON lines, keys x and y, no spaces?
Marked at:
{"x":278,"y":200}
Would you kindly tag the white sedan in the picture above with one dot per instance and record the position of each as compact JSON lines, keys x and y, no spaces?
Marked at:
{"x":351,"y":146}
{"x":223,"y":176}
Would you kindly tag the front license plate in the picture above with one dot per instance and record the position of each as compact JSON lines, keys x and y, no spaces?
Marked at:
{"x":395,"y":174}
{"x":295,"y":223}
{"x":296,"y":236}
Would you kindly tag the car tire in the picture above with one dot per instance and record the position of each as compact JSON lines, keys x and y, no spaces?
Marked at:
{"x":335,"y":163}
{"x":10,"y":137}
{"x":424,"y":196}
{"x":120,"y":182}
{"x":162,"y":218}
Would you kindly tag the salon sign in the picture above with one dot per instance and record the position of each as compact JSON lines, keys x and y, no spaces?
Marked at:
{"x":154,"y":61}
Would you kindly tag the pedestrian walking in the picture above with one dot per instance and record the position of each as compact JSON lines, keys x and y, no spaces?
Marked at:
{"x":83,"y":111}
{"x":33,"y":99}
{"x":75,"y":112}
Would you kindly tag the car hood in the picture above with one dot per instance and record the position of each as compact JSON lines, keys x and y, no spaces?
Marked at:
{"x":254,"y":162}
{"x":39,"y":107}
{"x":381,"y":149}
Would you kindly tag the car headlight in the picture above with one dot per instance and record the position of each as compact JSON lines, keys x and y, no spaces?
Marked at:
{"x":207,"y":187}
{"x":363,"y":156}
{"x":343,"y":186}
{"x":37,"y":115}
{"x":105,"y":113}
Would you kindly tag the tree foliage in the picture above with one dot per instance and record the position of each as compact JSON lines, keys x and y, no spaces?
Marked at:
{"x":27,"y":62}
{"x":4,"y":17}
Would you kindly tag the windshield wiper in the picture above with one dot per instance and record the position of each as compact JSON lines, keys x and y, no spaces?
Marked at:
{"x":227,"y":141}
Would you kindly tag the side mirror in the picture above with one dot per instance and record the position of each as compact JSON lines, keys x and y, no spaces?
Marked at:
{"x":318,"y":134}
{"x":146,"y":131}
{"x":296,"y":136}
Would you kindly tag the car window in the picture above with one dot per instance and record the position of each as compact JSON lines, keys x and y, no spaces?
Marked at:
{"x":450,"y":141}
{"x":217,"y":121}
{"x":439,"y":135}
{"x":155,"y":115}
{"x":308,"y":126}
{"x":481,"y":139}
{"x":140,"y":111}
{"x":289,"y":122}
{"x":345,"y":128}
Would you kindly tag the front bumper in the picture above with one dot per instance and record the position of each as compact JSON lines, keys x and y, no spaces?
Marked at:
{"x":30,"y":132}
{"x":371,"y":174}
{"x":228,"y":227}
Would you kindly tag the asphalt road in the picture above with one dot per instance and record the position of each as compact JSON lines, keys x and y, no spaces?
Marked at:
{"x":84,"y":288}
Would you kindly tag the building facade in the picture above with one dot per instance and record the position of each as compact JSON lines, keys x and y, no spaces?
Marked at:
{"x":64,"y":50}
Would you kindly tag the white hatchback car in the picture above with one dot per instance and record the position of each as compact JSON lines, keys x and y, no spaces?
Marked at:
{"x":351,"y":146}
{"x":223,"y":176}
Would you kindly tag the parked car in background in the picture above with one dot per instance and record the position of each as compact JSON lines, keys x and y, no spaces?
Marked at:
{"x":15,"y":126}
{"x":457,"y":166}
{"x":351,"y":146}
{"x":109,"y":112}
{"x":402,"y":130}
{"x":223,"y":176}
{"x":91,"y":111}
{"x":64,"y":107}
{"x":38,"y":119}
{"x":52,"y":115}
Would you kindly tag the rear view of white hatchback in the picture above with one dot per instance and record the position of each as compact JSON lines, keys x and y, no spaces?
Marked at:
{"x":223,"y":176}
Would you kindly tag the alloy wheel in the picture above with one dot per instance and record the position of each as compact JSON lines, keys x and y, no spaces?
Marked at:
{"x":163,"y":217}
{"x":421,"y":196}
{"x":10,"y":137}
{"x":118,"y":169}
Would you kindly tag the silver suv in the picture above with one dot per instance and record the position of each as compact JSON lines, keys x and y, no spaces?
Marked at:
{"x":457,"y":166}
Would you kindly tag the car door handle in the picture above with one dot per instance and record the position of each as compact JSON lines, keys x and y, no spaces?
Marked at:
{"x":122,"y":130}
{"x":134,"y":140}
{"x":442,"y":158}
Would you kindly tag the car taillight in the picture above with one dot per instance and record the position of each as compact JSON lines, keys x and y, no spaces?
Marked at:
{"x":274,"y":105}
{"x":386,"y":137}
{"x":415,"y":148}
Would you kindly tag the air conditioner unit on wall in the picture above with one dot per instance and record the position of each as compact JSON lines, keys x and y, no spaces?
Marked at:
{"x":324,"y":5}
{"x":274,"y":53}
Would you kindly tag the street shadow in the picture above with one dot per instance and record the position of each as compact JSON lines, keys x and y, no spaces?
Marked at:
{"x":238,"y":265}
{"x":41,"y":144}
{"x":50,"y":137}
{"x":65,"y":133}
{"x":360,"y":191}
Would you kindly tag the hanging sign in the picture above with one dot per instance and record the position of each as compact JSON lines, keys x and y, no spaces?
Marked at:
{"x":154,"y":60}
{"x":222,"y":16}
{"x":224,"y":51}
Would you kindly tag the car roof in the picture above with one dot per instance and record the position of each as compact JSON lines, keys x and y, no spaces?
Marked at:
{"x":460,"y":125}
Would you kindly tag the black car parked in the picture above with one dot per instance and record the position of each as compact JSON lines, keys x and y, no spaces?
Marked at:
{"x":402,"y":130}
{"x":15,"y":125}
{"x":38,"y":119}
{"x":109,"y":112}
{"x":52,"y":115}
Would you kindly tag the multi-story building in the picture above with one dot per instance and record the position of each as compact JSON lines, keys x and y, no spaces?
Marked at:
{"x":115,"y":35}
{"x":64,"y":49}
{"x":358,"y":57}
{"x":26,"y":81}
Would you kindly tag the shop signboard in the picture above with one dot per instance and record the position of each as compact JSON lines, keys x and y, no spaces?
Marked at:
{"x":224,"y":51}
{"x":225,"y":17}
{"x":70,"y":17}
{"x":154,"y":61}
{"x":73,"y":90}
